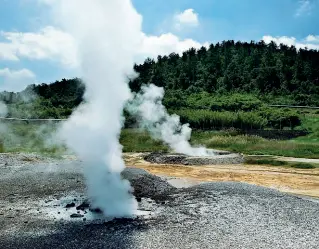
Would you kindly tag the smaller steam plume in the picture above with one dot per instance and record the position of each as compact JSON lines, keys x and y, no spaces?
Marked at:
{"x":152,"y":116}
{"x":3,"y":109}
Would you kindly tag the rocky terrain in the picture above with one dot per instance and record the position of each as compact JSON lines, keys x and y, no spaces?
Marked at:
{"x":218,"y":158}
{"x":43,"y":205}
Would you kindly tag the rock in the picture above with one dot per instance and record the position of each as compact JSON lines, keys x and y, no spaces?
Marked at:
{"x":83,"y":206}
{"x":70,"y":205}
{"x":76,"y":215}
{"x":138,"y":199}
{"x":96,"y":210}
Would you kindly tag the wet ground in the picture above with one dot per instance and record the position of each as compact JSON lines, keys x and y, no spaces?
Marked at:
{"x":34,"y":193}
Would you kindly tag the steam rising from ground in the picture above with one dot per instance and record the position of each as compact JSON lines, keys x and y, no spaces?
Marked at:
{"x":107,"y":34}
{"x":3,"y":109}
{"x":152,"y":115}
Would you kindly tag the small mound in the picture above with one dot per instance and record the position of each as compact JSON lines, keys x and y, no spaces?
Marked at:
{"x":146,"y":185}
{"x":214,"y":158}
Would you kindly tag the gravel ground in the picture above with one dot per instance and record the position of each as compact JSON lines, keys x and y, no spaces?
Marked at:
{"x":33,"y":196}
{"x":219,"y":158}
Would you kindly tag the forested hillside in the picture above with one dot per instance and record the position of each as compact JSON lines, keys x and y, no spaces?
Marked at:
{"x":227,"y":67}
{"x":227,"y":85}
{"x":55,"y":100}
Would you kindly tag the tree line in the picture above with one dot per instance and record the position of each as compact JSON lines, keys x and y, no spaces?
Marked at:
{"x":281,"y":73}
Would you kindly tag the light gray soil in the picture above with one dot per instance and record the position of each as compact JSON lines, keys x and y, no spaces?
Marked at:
{"x":218,"y":159}
{"x":33,"y":195}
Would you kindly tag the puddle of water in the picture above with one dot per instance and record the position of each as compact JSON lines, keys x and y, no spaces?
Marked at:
{"x":182,"y":182}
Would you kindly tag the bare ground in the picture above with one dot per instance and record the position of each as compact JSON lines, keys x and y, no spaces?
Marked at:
{"x":290,"y":180}
{"x":34,"y":192}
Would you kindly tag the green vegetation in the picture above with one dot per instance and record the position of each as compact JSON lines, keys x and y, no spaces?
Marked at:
{"x":310,"y":122}
{"x":22,"y":137}
{"x":140,"y":141}
{"x":1,"y":147}
{"x":56,"y":100}
{"x":274,"y":74}
{"x":303,"y":166}
{"x":264,"y":161}
{"x":254,"y":145}
{"x":41,"y":138}
{"x":261,"y":119}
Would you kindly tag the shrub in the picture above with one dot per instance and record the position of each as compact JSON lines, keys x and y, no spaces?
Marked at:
{"x":205,"y":119}
{"x":265,"y":162}
{"x":303,"y":166}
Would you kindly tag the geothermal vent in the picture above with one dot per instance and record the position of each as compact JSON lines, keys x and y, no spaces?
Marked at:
{"x":213,"y":157}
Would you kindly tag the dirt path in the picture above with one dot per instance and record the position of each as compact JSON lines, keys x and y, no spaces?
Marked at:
{"x":298,"y":160}
{"x":290,"y":180}
{"x":289,"y":159}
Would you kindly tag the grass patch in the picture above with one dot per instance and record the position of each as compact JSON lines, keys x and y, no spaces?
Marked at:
{"x":38,"y":138}
{"x":1,"y":147}
{"x":254,"y":145}
{"x":310,"y":122}
{"x":135,"y":140}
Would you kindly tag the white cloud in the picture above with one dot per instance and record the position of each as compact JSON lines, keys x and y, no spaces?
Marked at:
{"x":187,"y":18}
{"x":152,"y":46}
{"x":313,"y":38}
{"x":49,"y":43}
{"x":310,"y":42}
{"x":290,"y":41}
{"x":15,"y":80}
{"x":54,"y":44}
{"x":305,"y":7}
{"x":6,"y":52}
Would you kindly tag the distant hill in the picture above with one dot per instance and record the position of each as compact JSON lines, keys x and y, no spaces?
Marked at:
{"x":242,"y":67}
{"x":227,"y":76}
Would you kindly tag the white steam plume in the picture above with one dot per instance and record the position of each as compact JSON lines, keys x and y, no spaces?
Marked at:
{"x":107,"y":34}
{"x":3,"y":109}
{"x":152,"y":115}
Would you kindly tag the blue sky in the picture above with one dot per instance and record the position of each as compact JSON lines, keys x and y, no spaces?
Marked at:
{"x":234,"y":19}
{"x":29,"y":52}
